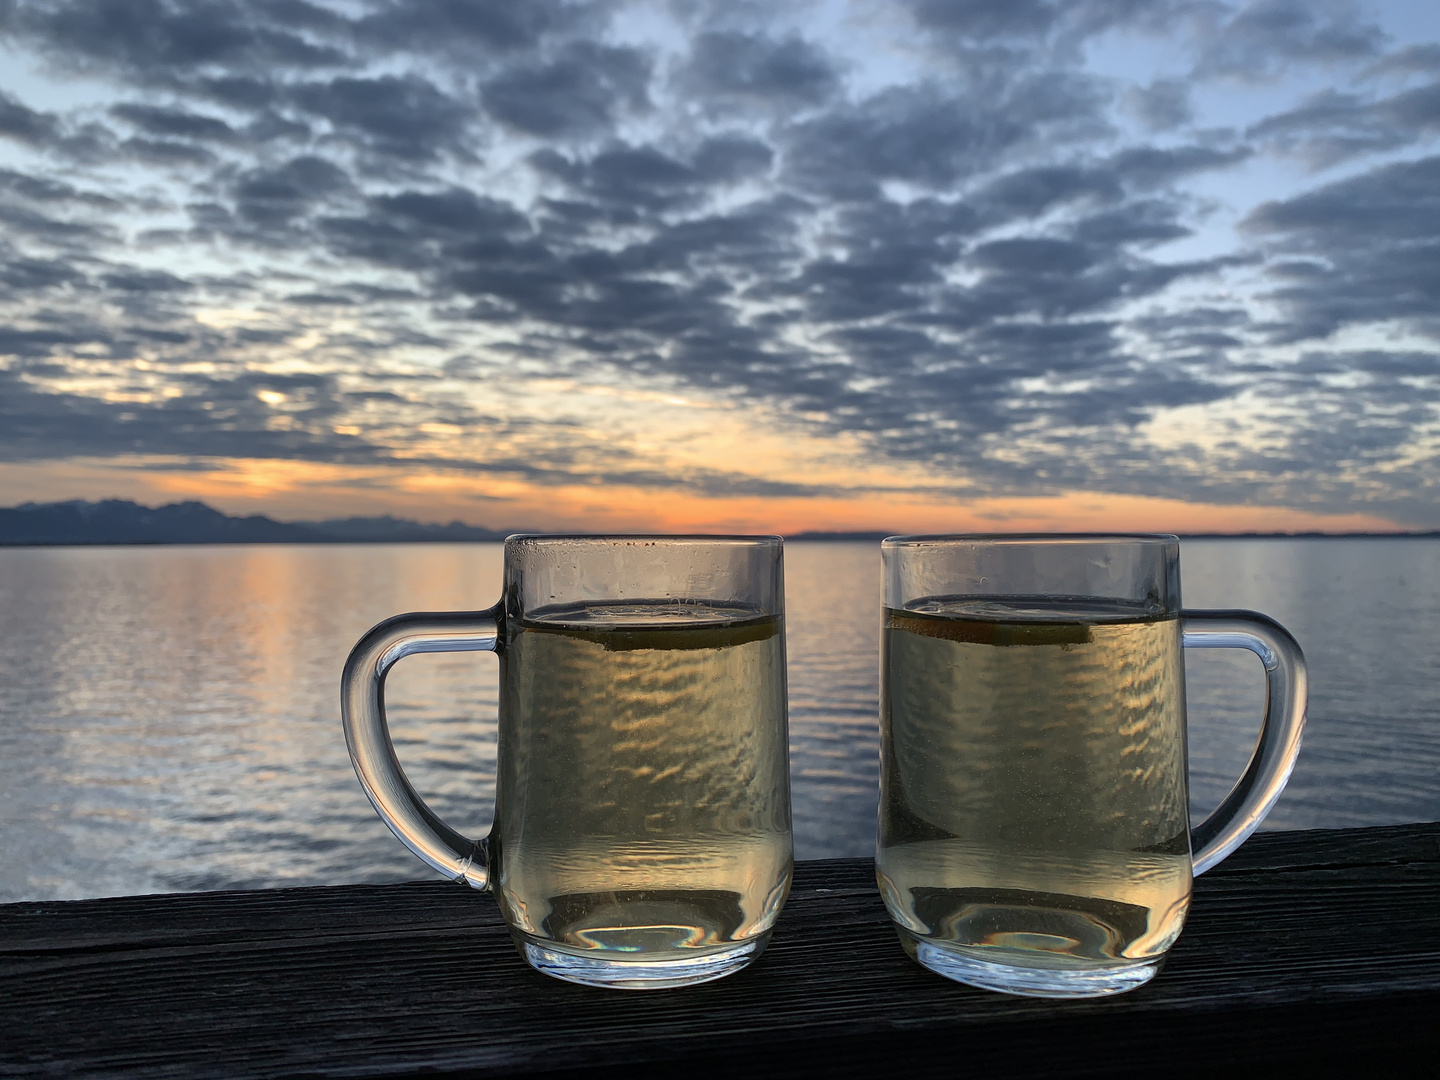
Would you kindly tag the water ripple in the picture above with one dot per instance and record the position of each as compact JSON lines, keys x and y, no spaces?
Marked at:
{"x":169,"y":716}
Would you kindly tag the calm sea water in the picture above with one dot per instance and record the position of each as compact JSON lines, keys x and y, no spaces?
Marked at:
{"x":169,"y":716}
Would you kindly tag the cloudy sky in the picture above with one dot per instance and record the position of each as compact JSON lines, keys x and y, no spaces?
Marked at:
{"x":896,"y":264}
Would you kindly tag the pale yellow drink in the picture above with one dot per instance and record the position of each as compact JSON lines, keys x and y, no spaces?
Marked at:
{"x":642,"y":796}
{"x":1033,"y":788}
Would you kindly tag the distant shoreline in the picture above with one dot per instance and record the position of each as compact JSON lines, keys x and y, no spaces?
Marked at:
{"x":798,"y":538}
{"x":826,"y":537}
{"x":121,"y":523}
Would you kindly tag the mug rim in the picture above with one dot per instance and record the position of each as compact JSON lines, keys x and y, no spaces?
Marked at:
{"x":998,"y":539}
{"x":734,"y":539}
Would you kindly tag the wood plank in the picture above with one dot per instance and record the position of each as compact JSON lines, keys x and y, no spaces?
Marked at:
{"x":1318,"y":950}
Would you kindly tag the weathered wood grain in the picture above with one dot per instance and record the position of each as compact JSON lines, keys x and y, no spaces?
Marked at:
{"x":1317,"y":951}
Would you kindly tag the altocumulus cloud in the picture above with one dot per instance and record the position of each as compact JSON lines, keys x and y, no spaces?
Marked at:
{"x":1025,"y":246}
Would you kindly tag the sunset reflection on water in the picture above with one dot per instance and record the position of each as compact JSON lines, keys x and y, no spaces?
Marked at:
{"x":171,"y":714}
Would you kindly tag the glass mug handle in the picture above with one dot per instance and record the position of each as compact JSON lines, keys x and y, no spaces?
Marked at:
{"x":362,"y":709}
{"x":1240,"y":812}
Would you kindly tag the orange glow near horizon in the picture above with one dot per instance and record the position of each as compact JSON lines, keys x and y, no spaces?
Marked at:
{"x":288,"y":490}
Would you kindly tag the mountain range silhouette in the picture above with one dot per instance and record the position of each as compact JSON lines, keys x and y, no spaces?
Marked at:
{"x":120,"y":521}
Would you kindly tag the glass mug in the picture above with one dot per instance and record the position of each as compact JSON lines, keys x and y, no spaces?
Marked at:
{"x":1034,"y":832}
{"x":642,"y":796}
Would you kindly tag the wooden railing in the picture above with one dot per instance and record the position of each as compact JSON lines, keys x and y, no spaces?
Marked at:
{"x":1306,"y":954}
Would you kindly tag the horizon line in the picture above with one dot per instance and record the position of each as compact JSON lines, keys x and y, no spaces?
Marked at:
{"x":498,"y":534}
